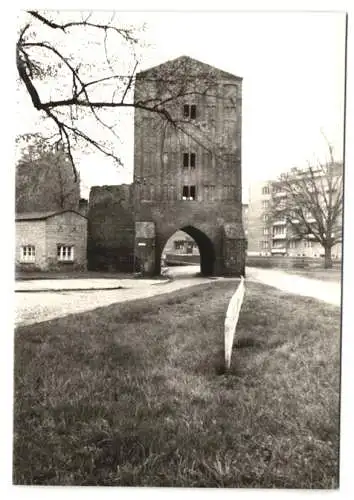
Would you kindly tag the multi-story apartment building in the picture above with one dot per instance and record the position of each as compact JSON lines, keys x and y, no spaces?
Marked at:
{"x":268,"y":235}
{"x":258,"y":237}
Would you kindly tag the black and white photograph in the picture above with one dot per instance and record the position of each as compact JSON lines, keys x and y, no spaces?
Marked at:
{"x":178,"y":248}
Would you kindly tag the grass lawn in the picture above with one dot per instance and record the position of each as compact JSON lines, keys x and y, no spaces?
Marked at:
{"x":134,"y":394}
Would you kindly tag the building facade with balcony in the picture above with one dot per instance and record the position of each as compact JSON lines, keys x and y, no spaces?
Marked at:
{"x":274,"y":236}
{"x":258,"y":235}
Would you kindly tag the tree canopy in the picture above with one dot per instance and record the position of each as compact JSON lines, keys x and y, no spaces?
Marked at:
{"x":44,"y":177}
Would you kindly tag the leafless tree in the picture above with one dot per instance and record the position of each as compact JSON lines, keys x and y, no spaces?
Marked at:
{"x":74,"y":88}
{"x":310,"y":200}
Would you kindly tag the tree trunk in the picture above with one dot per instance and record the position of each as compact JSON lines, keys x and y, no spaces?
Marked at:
{"x":328,"y":257}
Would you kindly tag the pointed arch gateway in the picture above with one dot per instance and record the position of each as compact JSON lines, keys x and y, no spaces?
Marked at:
{"x":206,"y":249}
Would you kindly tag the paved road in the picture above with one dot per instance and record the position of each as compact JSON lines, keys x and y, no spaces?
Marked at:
{"x":35,"y":306}
{"x":177,"y":272}
{"x":327,"y":291}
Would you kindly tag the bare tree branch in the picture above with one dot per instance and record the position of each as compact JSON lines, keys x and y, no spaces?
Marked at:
{"x":312,"y":203}
{"x":85,"y":91}
{"x":125,"y":33}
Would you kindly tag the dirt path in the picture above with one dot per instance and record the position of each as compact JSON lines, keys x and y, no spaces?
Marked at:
{"x":327,"y":291}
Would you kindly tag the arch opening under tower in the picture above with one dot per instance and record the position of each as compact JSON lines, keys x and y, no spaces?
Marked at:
{"x":189,"y":247}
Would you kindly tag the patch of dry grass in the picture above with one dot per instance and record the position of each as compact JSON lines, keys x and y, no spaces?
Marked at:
{"x":134,"y":394}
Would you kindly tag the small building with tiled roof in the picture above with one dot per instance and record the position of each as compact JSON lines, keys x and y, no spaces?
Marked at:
{"x":51,"y":241}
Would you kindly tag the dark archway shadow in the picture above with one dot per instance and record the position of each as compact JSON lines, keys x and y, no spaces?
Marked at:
{"x":206,"y":250}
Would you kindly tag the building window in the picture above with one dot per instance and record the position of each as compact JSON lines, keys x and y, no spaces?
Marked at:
{"x":278,"y":244}
{"x":189,"y":160}
{"x":209,"y":192}
{"x":265,"y":245}
{"x":188,"y":193}
{"x":265,"y":203}
{"x":265,"y":190}
{"x":165,"y":158}
{"x":282,"y":204}
{"x":278,"y":230}
{"x":266,"y":217}
{"x":65,"y":253}
{"x":277,"y":189}
{"x":265,"y":231}
{"x":179,"y":245}
{"x":190,"y":111}
{"x":229,"y":192}
{"x":28,"y":253}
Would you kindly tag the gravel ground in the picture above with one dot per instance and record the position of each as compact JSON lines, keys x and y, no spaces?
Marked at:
{"x":34,"y":307}
{"x":84,"y":284}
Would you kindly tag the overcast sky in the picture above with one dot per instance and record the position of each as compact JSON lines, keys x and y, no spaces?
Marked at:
{"x":292,"y":66}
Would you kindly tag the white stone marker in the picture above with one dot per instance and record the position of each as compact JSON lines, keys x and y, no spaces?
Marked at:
{"x":232,"y":314}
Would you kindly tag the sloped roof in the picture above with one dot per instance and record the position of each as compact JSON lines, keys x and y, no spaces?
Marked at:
{"x":181,"y":61}
{"x":43,"y":215}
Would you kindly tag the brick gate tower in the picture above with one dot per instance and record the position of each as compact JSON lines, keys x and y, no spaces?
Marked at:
{"x":187,"y":174}
{"x":187,"y":167}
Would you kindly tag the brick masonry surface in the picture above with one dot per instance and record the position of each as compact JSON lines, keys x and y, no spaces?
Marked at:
{"x":161,"y":175}
{"x":68,"y":228}
{"x":31,"y":233}
{"x":111,"y":228}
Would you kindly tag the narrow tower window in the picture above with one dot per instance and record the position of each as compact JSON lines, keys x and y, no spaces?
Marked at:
{"x":190,"y":111}
{"x":189,"y":160}
{"x":189,"y":193}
